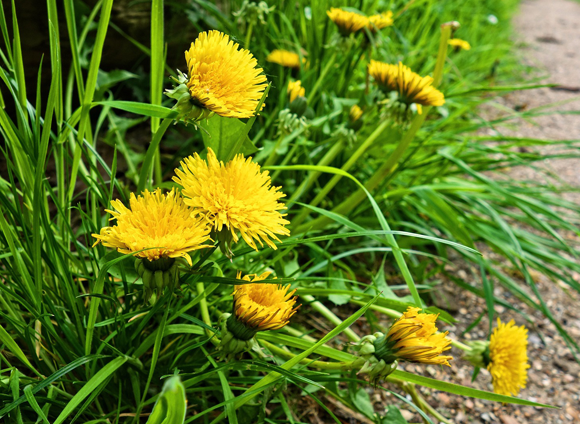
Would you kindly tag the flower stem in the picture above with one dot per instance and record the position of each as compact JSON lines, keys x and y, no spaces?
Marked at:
{"x":392,"y":163}
{"x":144,"y":176}
{"x":205,"y":313}
{"x":248,"y":36}
{"x":343,"y":366}
{"x":330,"y":316}
{"x":349,"y":163}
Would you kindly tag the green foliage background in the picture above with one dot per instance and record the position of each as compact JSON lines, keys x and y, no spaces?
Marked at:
{"x":77,"y":342}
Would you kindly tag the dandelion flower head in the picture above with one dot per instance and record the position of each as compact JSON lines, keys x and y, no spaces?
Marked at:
{"x":222,"y":77}
{"x":295,"y":89}
{"x":508,"y":358}
{"x":263,"y":306}
{"x":234,"y":197}
{"x":347,"y":21}
{"x":414,"y":338}
{"x":284,"y":58}
{"x":154,"y":220}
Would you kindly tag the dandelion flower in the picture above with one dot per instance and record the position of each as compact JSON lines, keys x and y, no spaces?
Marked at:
{"x":263,"y":306}
{"x":346,"y":21}
{"x":233,"y":197}
{"x":380,"y":21}
{"x":284,"y":58}
{"x":411,"y":87}
{"x":355,"y":113}
{"x":154,"y":220}
{"x":295,"y":90}
{"x":459,"y":44}
{"x":508,"y":358}
{"x":222,"y":78}
{"x":414,"y":338}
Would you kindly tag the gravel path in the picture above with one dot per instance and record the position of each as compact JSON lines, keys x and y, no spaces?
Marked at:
{"x":549,"y":31}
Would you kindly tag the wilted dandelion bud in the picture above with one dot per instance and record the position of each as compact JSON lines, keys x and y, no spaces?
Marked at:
{"x":289,"y":121}
{"x":252,"y":12}
{"x":505,"y":356}
{"x":161,"y":228}
{"x":257,"y":307}
{"x":413,"y":338}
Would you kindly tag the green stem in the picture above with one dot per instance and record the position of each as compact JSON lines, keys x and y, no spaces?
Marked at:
{"x":144,"y":176}
{"x":321,"y":78}
{"x":205,"y":314}
{"x":330,"y":316}
{"x":313,"y":175}
{"x":343,"y":366}
{"x":273,"y":155}
{"x":352,"y":160}
{"x":392,"y":163}
{"x":248,"y":36}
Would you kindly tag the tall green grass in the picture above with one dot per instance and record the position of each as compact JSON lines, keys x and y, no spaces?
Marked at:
{"x":77,"y":342}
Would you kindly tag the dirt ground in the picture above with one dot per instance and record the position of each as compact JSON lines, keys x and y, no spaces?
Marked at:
{"x":548,"y":32}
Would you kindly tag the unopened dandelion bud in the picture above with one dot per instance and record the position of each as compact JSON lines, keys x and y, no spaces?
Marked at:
{"x":298,"y":106}
{"x":253,"y":12}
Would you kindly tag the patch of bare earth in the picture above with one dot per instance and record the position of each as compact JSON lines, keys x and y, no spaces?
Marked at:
{"x":549,"y":32}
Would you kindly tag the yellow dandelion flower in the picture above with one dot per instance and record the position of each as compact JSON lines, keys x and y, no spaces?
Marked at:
{"x":347,"y":21}
{"x":295,"y":89}
{"x":414,"y":338}
{"x":263,"y":306}
{"x":508,"y":358}
{"x":380,"y":21}
{"x":459,"y":44}
{"x":355,"y":113}
{"x":384,"y":74}
{"x":154,"y":220}
{"x":222,"y":78}
{"x":411,"y":87}
{"x":235,"y":197}
{"x":285,"y":58}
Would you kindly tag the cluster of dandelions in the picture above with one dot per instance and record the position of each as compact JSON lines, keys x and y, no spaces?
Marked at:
{"x":228,"y":202}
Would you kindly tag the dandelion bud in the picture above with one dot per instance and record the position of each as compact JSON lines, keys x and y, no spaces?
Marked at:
{"x":354,"y":118}
{"x":413,"y":338}
{"x":257,"y":307}
{"x":252,"y":13}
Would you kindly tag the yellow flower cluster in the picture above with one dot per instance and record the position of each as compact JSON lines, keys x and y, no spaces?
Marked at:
{"x":411,"y":87}
{"x":349,"y":22}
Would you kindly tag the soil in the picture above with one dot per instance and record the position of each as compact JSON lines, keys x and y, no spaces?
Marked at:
{"x":547,"y":32}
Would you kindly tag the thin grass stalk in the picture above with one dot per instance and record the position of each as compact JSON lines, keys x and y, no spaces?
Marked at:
{"x":312,"y":177}
{"x":390,"y":165}
{"x":349,"y":163}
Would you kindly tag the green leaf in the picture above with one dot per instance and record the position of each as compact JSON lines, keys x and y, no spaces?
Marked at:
{"x":7,"y":339}
{"x":462,"y":390}
{"x":98,"y":379}
{"x":362,"y":400}
{"x":171,"y":405}
{"x":144,"y":109}
{"x":221,"y":134}
{"x":394,"y":416}
{"x":121,"y":270}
